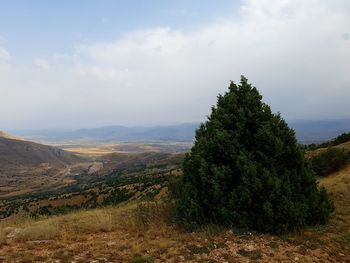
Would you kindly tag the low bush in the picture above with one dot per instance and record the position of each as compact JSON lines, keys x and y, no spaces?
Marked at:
{"x":345,"y":137}
{"x":329,"y":161}
{"x":175,"y":187}
{"x":152,"y":214}
{"x":141,"y":259}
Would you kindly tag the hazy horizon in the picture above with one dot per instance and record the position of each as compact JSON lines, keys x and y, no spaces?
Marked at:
{"x":154,"y":125}
{"x":86,"y":64}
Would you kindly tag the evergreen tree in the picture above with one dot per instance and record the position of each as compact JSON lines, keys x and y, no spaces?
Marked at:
{"x":246,"y":169}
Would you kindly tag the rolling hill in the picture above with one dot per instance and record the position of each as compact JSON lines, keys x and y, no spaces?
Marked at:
{"x":307,"y":132}
{"x":15,"y":152}
{"x":8,"y":136}
{"x":181,"y":132}
{"x":28,"y":167}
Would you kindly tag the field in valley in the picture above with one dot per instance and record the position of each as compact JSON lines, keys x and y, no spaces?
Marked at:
{"x":97,"y":150}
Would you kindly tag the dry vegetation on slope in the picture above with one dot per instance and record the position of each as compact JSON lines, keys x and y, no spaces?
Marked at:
{"x":140,"y":232}
{"x":28,"y":167}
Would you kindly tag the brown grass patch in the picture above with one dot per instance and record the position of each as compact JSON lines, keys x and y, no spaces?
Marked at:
{"x":144,"y":231}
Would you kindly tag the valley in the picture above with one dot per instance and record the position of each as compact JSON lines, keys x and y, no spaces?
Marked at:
{"x":174,"y":131}
{"x":118,"y":194}
{"x":98,"y":177}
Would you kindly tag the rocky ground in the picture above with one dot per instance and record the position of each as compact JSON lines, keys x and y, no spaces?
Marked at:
{"x":120,"y":246}
{"x":139,"y":233}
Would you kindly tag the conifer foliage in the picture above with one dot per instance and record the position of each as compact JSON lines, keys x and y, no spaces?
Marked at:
{"x":247,"y":170}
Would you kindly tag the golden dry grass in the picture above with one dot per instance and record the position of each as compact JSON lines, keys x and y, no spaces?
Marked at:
{"x":91,"y":151}
{"x":313,"y":153}
{"x":2,"y":234}
{"x":140,"y":230}
{"x":130,"y":216}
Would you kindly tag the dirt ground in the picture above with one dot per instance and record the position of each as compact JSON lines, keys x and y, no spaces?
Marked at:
{"x":115,"y":236}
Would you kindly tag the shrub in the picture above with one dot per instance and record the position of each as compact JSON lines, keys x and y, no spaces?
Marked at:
{"x":175,"y":186}
{"x":246,"y":169}
{"x":141,"y":259}
{"x":344,"y":137}
{"x":329,"y":161}
{"x":149,"y":214}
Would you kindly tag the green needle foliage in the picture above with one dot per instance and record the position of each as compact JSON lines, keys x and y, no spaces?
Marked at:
{"x":247,"y":170}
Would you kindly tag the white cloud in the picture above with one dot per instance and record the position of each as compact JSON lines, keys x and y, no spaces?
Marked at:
{"x":42,"y":63}
{"x":292,"y":50}
{"x":4,"y":54}
{"x":296,"y":52}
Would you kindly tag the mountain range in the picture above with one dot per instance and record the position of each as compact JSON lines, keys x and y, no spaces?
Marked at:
{"x":307,"y":131}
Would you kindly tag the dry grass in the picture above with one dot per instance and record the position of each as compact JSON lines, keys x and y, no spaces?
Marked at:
{"x":313,"y":153}
{"x":99,"y":220}
{"x":2,"y":234}
{"x":41,"y":230}
{"x":140,"y":232}
{"x":131,"y":216}
{"x":67,"y":226}
{"x":91,"y":151}
{"x":151,"y":214}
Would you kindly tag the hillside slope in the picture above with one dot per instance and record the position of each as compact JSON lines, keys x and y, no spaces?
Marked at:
{"x":140,"y":232}
{"x":28,"y":167}
{"x":15,"y":152}
{"x":9,"y":136}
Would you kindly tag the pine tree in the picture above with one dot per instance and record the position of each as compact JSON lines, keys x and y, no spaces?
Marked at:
{"x":247,"y":170}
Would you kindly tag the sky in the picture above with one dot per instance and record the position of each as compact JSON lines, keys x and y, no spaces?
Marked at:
{"x":72,"y":64}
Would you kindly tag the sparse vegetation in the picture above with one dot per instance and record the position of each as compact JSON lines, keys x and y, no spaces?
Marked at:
{"x":134,"y":176}
{"x":345,"y":137}
{"x":141,"y":231}
{"x":329,"y":161}
{"x":141,"y":259}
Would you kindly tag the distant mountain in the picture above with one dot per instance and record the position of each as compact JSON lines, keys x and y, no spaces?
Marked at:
{"x":316,"y":131}
{"x":181,"y":132}
{"x":307,"y":131}
{"x":18,"y":153}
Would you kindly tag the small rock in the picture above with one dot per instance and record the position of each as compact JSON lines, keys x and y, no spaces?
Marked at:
{"x":250,"y":247}
{"x":341,"y":254}
{"x":296,"y":259}
{"x":111,"y":243}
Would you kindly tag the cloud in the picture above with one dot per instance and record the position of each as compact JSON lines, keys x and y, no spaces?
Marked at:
{"x":4,"y":54}
{"x":295,"y":52}
{"x":42,"y":63}
{"x":292,"y":50}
